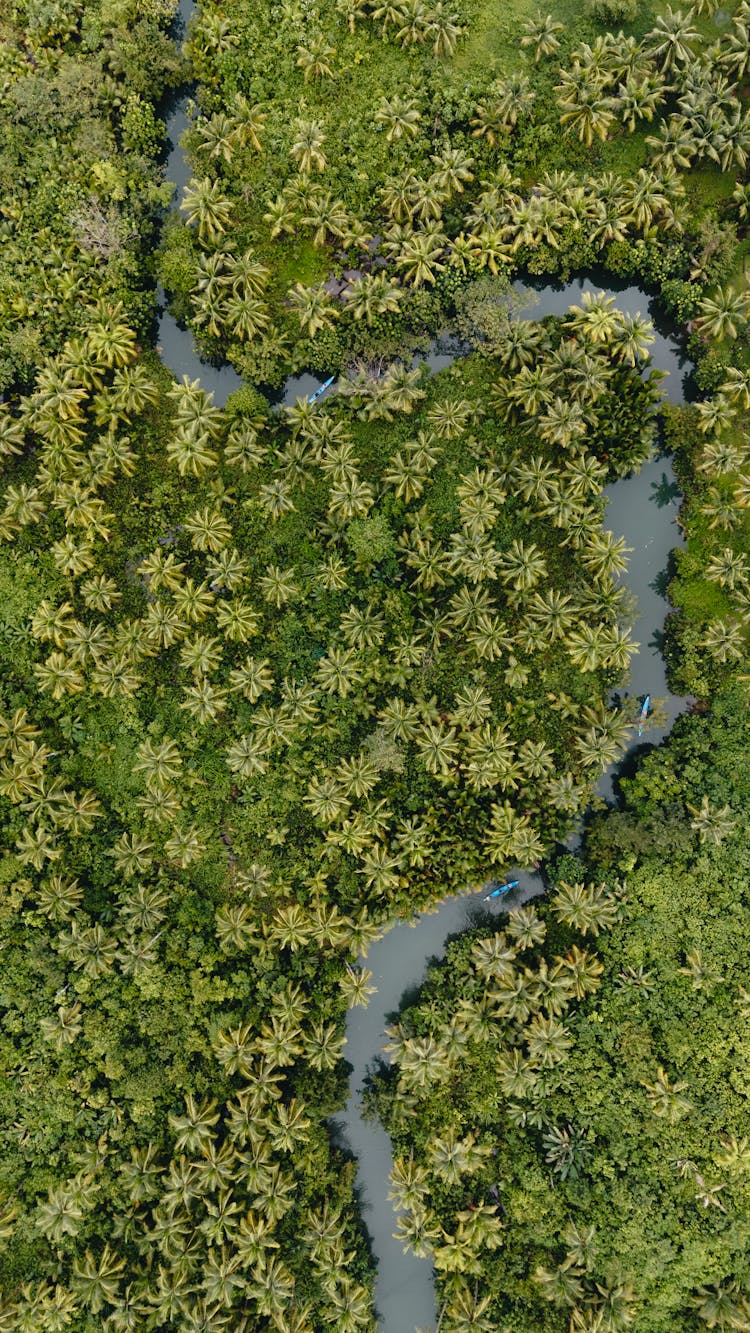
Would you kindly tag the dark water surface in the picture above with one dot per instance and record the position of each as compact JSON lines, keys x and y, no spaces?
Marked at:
{"x":643,"y":509}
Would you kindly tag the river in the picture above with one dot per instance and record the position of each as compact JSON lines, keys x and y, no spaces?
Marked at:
{"x":643,"y":508}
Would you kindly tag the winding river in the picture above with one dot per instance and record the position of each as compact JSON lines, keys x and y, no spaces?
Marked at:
{"x":644,"y":509}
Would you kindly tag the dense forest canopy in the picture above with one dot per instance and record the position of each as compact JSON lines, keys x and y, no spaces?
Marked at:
{"x":272,"y":678}
{"x":568,"y":1096}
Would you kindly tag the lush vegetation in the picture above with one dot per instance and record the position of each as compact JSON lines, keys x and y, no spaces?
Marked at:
{"x":568,"y":1096}
{"x":81,"y":193}
{"x":364,"y":159}
{"x":269,"y":696}
{"x":271,"y":679}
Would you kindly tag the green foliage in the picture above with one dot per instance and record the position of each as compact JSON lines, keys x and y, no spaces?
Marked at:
{"x":612,"y":1166}
{"x":79,"y":149}
{"x":268,"y":680}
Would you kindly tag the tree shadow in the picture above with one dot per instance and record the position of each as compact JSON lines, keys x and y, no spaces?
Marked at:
{"x":664,"y":492}
{"x":660,"y":582}
{"x":656,"y":642}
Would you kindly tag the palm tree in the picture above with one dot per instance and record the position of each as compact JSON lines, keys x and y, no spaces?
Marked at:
{"x":314,"y":57}
{"x":351,"y":10}
{"x":444,"y":27}
{"x":540,"y":32}
{"x":413,"y":17}
{"x":371,"y":295}
{"x":313,"y":306}
{"x":587,"y":908}
{"x":488,"y":122}
{"x":420,"y":256}
{"x":583,"y":969}
{"x":567,"y":1148}
{"x":217,"y":136}
{"x":272,"y":1285}
{"x":585,"y":111}
{"x":724,"y":640}
{"x":281,"y":215}
{"x":204,"y":205}
{"x":58,"y":676}
{"x":248,"y":122}
{"x":728,"y":568}
{"x":160,"y":761}
{"x":247,"y":316}
{"x":291,"y":926}
{"x":351,"y":1305}
{"x":323,"y":1044}
{"x":711,"y":825}
{"x":307,"y":147}
{"x":723,"y":315}
{"x":523,"y":565}
{"x":111,"y":341}
{"x":722,"y":1306}
{"x":638,"y":99}
{"x":666,"y":1097}
{"x":668,"y":41}
{"x":355,"y":985}
{"x":97,"y":1280}
{"x":561,"y":1285}
{"x":185,"y":846}
{"x":421,"y":1061}
{"x":328,"y":216}
{"x":514,"y":98}
{"x":65,"y":1209}
{"x":632,"y":339}
{"x":400,"y":115}
{"x":452,"y":169}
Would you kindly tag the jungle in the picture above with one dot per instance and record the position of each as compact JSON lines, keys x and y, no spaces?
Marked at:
{"x":278,"y":672}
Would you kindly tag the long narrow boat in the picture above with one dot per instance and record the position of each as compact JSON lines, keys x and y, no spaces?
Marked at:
{"x":501,"y":889}
{"x":643,"y":714}
{"x":318,"y":393}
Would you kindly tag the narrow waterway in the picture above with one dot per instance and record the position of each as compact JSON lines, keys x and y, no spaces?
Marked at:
{"x":642,"y":508}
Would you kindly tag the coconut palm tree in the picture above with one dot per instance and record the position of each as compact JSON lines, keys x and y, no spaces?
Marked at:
{"x":97,"y":1280}
{"x":711,"y":825}
{"x":452,"y":169}
{"x":722,"y":1306}
{"x":522,"y":565}
{"x":420,"y":257}
{"x":562,"y":1285}
{"x":541,"y":33}
{"x":217,"y":136}
{"x":513,"y":99}
{"x":111,"y":341}
{"x":587,"y":908}
{"x":444,"y":28}
{"x":585,"y":110}
{"x":669,"y":40}
{"x":307,"y":146}
{"x":724,"y":315}
{"x":207,"y":207}
{"x":350,"y":1303}
{"x":412,"y":22}
{"x":371,"y":295}
{"x":399,"y":116}
{"x":638,"y":98}
{"x":313,"y":307}
{"x":728,"y":568}
{"x":314,"y":57}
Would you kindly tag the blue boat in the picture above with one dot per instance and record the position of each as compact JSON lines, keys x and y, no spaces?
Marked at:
{"x":501,"y":889}
{"x":318,"y":393}
{"x":643,"y":714}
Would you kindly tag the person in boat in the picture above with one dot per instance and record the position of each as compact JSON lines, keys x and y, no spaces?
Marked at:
{"x":643,"y":714}
{"x":318,"y":393}
{"x":500,"y":890}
